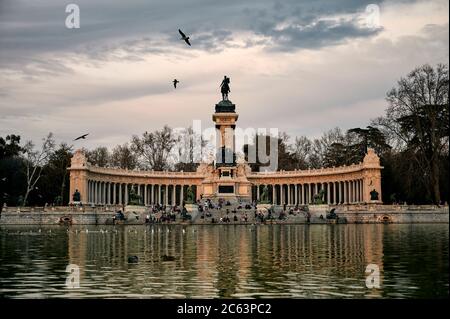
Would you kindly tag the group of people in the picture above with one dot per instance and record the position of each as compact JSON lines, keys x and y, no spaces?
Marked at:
{"x":166,"y":214}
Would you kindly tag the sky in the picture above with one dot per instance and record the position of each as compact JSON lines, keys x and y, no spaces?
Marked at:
{"x":303,"y":67}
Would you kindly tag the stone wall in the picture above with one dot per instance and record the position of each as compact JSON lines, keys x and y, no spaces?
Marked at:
{"x":353,"y":214}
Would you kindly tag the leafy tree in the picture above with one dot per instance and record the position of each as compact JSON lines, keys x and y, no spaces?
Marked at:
{"x":11,"y":177}
{"x":417,"y":120}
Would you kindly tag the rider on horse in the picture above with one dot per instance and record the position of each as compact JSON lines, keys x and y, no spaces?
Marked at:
{"x":225,"y":88}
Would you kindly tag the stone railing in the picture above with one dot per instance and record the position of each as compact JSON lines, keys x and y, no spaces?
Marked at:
{"x":61,"y":209}
{"x":310,"y":172}
{"x":141,"y":173}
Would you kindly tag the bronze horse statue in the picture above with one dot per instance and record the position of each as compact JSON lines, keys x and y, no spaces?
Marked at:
{"x":225,"y":87}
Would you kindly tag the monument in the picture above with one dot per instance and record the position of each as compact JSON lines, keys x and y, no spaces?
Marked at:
{"x":226,"y":178}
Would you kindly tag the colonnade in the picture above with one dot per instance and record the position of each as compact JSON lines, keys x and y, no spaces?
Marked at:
{"x":332,"y":193}
{"x":110,"y":193}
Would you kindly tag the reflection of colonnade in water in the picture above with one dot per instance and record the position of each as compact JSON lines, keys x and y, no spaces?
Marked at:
{"x":224,"y":258}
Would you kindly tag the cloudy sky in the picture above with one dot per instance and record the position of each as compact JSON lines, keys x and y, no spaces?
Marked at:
{"x":300,"y":66}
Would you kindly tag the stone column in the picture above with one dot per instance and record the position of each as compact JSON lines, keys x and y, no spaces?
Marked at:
{"x":295,"y":194}
{"x":353,"y":191}
{"x":310,"y":192}
{"x":328,"y":194}
{"x":346,"y":192}
{"x":126,"y":194}
{"x":145,"y":194}
{"x":166,"y":194}
{"x":174,"y":194}
{"x":257,"y":192}
{"x":359,"y":191}
{"x":273,"y":194}
{"x":89,"y":192}
{"x":160,"y":194}
{"x":104,"y":193}
{"x":114,"y":201}
{"x":181,"y":194}
{"x":288,"y":187}
{"x":95,"y":192}
{"x":151,"y":194}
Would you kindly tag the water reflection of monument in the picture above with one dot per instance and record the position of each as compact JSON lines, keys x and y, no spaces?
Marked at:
{"x":225,"y":261}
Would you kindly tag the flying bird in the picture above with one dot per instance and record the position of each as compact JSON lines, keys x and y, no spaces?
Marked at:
{"x":81,"y":137}
{"x":175,"y":82}
{"x":184,"y":37}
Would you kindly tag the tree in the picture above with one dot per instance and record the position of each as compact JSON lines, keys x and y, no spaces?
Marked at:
{"x":153,"y":149}
{"x":320,"y":147}
{"x":302,"y":150}
{"x":34,"y":162}
{"x":10,"y":164}
{"x":186,"y":151}
{"x":417,"y":120}
{"x":10,"y":146}
{"x":123,"y":157}
{"x":362,"y":139}
{"x":99,"y":156}
{"x":286,"y":159}
{"x":57,"y":168}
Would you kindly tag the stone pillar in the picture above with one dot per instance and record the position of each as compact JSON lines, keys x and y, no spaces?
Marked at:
{"x":108,"y":193}
{"x":295,"y":194}
{"x":126,"y":194}
{"x":345,"y":192}
{"x":257,"y":193}
{"x":360,"y":191}
{"x":288,"y":186}
{"x":166,"y":194}
{"x":104,"y":192}
{"x":174,"y":194}
{"x":151,"y":194}
{"x":145,"y":195}
{"x":94,"y":197}
{"x":273,"y":195}
{"x":114,"y":201}
{"x":89,"y":192}
{"x":181,"y":194}
{"x":328,"y":194}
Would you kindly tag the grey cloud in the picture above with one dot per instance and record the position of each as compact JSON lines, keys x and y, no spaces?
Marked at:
{"x":31,"y":29}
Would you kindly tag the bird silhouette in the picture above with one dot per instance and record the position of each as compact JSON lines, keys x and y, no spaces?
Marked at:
{"x":175,"y":82}
{"x":81,"y":137}
{"x":184,"y":37}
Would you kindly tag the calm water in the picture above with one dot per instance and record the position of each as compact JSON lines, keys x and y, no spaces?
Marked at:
{"x":317,"y":261}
